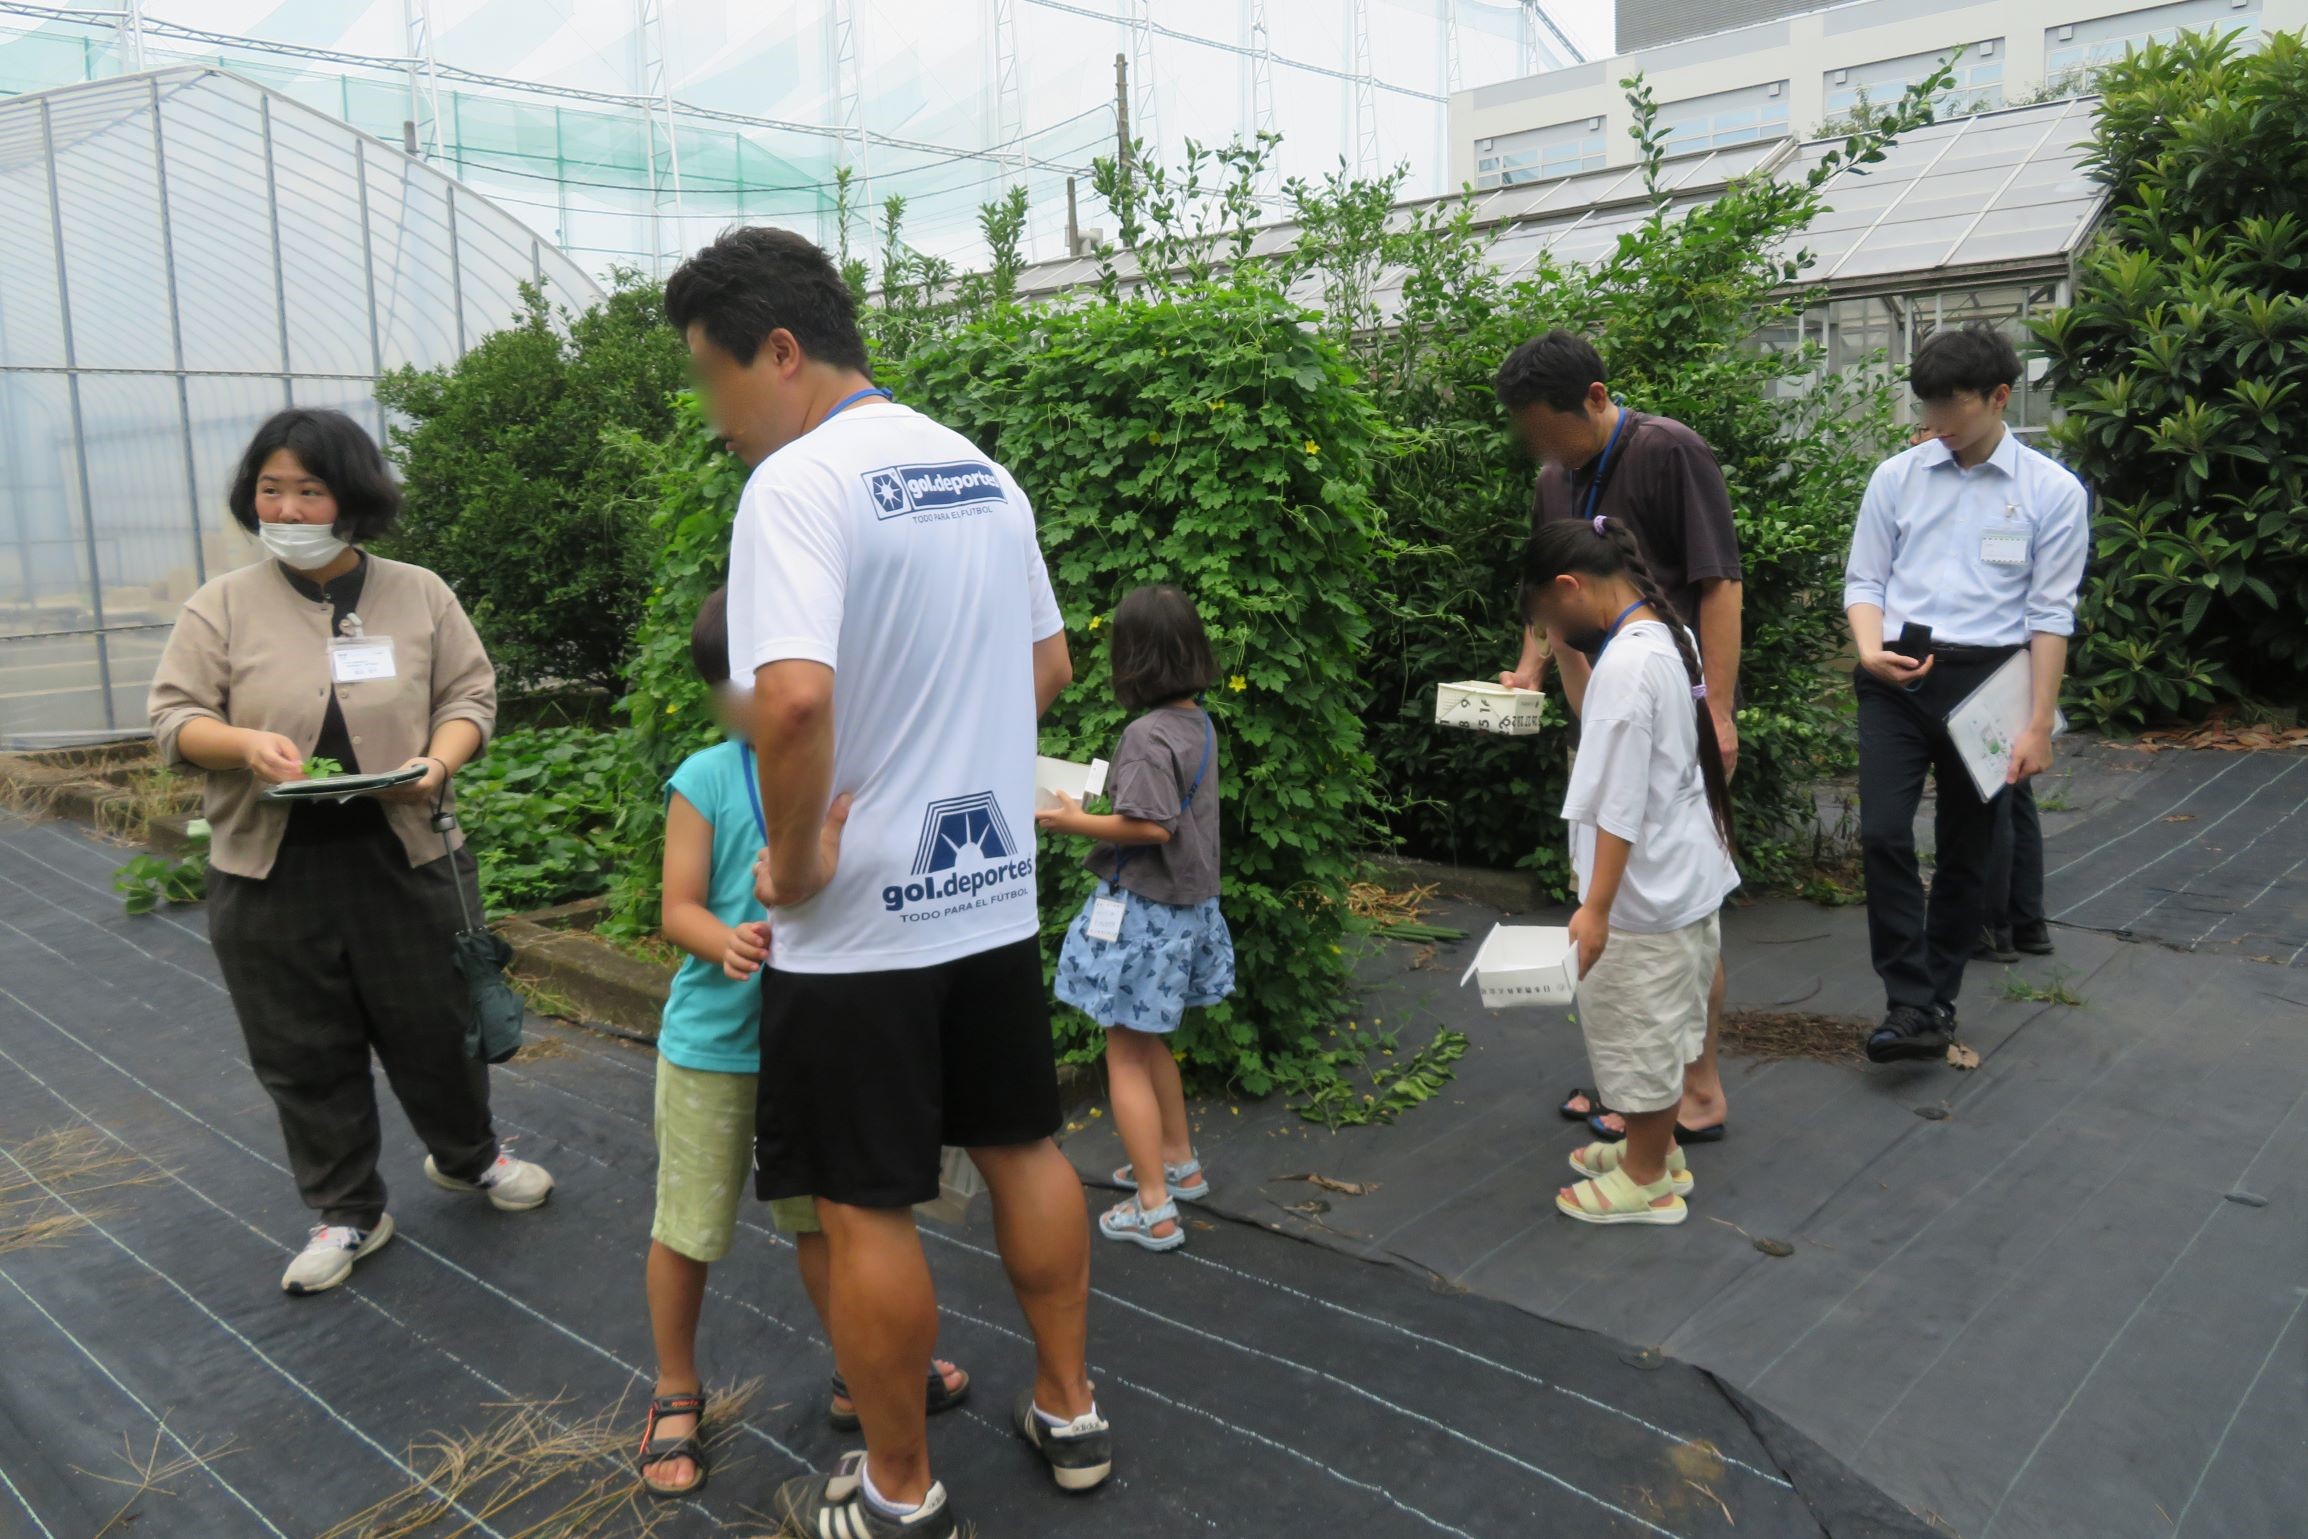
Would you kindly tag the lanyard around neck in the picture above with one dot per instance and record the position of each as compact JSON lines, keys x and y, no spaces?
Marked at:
{"x":855,"y":396}
{"x":1612,"y":629}
{"x":1595,"y":487}
{"x":753,"y":793}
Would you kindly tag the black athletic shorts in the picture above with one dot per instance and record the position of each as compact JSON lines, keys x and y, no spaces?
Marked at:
{"x":864,"y":1076}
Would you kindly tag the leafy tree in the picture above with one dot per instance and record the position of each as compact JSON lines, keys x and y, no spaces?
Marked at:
{"x":2183,"y":368}
{"x":521,"y":487}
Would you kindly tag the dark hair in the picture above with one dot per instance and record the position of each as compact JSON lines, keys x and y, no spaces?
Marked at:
{"x":337,"y":452}
{"x":755,"y":280}
{"x":1976,"y":358}
{"x":1555,"y":370}
{"x":709,"y":638}
{"x":1573,"y":545}
{"x":1160,"y":652}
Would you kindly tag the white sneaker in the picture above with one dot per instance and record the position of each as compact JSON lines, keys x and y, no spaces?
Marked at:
{"x":329,"y":1254}
{"x":514,"y":1186}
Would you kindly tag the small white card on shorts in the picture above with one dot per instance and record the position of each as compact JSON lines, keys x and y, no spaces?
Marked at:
{"x":353,"y":659}
{"x":1106,"y":919}
{"x":2002,"y":548}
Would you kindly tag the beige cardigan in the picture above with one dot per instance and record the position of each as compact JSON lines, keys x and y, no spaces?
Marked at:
{"x":250,"y":651}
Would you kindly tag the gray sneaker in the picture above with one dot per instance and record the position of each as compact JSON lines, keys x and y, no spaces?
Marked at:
{"x":514,"y":1186}
{"x":1080,"y":1453}
{"x":329,"y":1253}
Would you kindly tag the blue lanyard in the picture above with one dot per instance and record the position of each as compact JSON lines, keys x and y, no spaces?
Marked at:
{"x":1185,"y":803}
{"x":1595,"y":487}
{"x":855,"y":396}
{"x":1612,"y":629}
{"x":753,"y":793}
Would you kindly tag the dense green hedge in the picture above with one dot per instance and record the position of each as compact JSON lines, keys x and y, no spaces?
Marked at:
{"x":2183,"y":368}
{"x":521,"y":488}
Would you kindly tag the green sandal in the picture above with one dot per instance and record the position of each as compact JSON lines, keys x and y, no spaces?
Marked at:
{"x":1616,"y":1199}
{"x":1602,"y":1159}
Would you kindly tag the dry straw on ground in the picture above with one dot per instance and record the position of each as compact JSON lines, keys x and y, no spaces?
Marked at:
{"x":1369,"y":900}
{"x":149,"y":1473}
{"x":535,"y":1474}
{"x":75,"y":1163}
{"x":1770,"y":1034}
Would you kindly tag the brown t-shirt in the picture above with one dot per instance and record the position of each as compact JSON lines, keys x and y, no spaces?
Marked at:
{"x":1161,"y":755}
{"x":1663,"y":480}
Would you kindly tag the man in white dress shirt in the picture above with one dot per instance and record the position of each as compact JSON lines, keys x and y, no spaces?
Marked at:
{"x":1982,"y":540}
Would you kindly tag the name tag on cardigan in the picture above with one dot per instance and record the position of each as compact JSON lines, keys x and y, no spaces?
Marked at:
{"x":354,"y":659}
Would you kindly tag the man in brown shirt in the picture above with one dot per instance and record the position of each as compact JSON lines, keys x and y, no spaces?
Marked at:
{"x":1598,"y":458}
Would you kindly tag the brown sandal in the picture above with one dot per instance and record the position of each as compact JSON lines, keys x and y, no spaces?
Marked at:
{"x":691,"y":1447}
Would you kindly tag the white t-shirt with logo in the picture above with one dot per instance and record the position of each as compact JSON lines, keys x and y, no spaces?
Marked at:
{"x":1637,"y":775}
{"x":889,"y":549}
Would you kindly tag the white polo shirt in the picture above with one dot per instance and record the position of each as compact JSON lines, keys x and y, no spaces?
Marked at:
{"x":886,"y":547}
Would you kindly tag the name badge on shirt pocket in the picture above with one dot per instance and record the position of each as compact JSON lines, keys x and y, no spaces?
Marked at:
{"x":2004,"y":547}
{"x":356,"y":659}
{"x":1106,"y":919}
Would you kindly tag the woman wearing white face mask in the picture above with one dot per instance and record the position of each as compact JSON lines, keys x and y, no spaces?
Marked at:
{"x":333,"y":921}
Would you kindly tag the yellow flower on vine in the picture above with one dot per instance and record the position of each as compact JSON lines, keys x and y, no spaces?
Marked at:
{"x":1096,"y":621}
{"x":1238,"y":683}
{"x":672,"y":707}
{"x":1311,"y":447}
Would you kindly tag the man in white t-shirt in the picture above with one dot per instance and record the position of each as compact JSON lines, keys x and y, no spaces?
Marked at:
{"x":889,"y":605}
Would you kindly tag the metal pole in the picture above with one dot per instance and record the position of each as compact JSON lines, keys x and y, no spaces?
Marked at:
{"x":1365,"y":95}
{"x":1452,"y":73}
{"x":1009,"y":108}
{"x":176,"y":334}
{"x":79,"y":428}
{"x":132,"y":37}
{"x":1073,"y":222}
{"x":424,"y":77}
{"x":368,"y":257}
{"x":456,"y":271}
{"x":279,"y":277}
{"x":1142,"y":58}
{"x":1262,"y":89}
{"x":1122,"y":115}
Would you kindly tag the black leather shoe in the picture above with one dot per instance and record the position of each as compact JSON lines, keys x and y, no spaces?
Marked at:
{"x":1995,"y":946}
{"x":1908,"y":1033}
{"x":2034,"y":939}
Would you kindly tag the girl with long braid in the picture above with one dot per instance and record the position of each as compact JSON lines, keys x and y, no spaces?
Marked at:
{"x":1650,"y":815}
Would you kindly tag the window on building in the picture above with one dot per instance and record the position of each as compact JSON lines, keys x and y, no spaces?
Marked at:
{"x":1743,"y":116}
{"x":1539,"y":154}
{"x":2079,"y":50}
{"x":1977,"y":87}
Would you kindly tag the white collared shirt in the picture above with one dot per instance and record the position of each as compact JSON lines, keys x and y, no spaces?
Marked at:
{"x":1986,"y":557}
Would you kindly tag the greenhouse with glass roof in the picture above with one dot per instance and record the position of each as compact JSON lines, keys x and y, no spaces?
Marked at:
{"x":182,"y":253}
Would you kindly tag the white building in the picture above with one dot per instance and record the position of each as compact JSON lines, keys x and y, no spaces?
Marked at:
{"x":1798,"y":72}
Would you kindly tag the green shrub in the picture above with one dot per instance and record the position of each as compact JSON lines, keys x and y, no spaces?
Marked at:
{"x":521,"y":489}
{"x":535,"y":809}
{"x":1217,"y":442}
{"x":1675,"y":309}
{"x":2183,"y":368}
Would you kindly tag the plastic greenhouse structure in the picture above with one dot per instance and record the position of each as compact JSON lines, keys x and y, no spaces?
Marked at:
{"x":183,"y":253}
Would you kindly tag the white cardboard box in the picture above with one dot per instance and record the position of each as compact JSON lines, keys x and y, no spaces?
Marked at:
{"x":1525,"y":964}
{"x":1080,"y":781}
{"x":1483,"y":707}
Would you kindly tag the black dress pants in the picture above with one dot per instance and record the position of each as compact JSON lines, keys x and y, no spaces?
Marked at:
{"x":343,"y":951}
{"x":2015,"y":866}
{"x":1920,"y":946}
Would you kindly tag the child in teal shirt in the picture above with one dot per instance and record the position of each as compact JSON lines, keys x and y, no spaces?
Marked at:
{"x":708,"y":1057}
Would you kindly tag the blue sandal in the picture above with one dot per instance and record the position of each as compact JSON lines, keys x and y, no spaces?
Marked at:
{"x":1129,"y":1221}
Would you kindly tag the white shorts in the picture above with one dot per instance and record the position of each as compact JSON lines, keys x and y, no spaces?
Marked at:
{"x":1643,"y":1009}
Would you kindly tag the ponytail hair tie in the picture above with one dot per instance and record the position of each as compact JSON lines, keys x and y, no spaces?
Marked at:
{"x":1698,"y":691}
{"x":1600,"y":520}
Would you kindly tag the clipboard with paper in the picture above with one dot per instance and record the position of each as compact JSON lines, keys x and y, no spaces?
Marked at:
{"x":1990,"y":721}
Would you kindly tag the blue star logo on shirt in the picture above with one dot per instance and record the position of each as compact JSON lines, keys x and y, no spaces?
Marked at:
{"x":889,"y":490}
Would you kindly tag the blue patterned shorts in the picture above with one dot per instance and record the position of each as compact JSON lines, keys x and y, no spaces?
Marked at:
{"x":1171,"y":958}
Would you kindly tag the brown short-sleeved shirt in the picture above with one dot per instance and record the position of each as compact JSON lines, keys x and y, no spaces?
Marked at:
{"x":1664,"y":481}
{"x":1162,"y":755}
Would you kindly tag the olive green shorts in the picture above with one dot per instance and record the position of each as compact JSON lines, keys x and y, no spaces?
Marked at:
{"x":705,"y":1162}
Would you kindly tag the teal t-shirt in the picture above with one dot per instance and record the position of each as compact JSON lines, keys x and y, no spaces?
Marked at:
{"x":711,"y":1023}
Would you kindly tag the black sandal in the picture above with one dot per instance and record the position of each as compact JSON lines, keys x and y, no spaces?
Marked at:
{"x":1595,"y":1106}
{"x":940,"y":1398}
{"x":690,"y":1447}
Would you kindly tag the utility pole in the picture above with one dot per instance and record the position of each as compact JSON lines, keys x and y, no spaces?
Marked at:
{"x":424,"y":79}
{"x":1073,"y":222}
{"x":1122,"y":114}
{"x":1365,"y":96}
